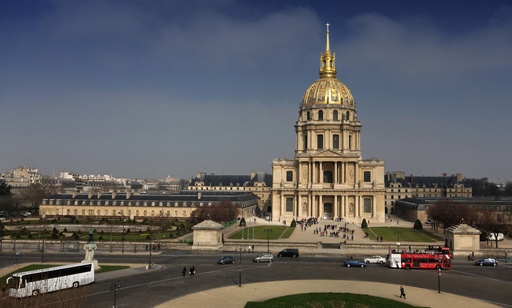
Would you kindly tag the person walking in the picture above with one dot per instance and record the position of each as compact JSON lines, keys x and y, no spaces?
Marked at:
{"x":184,"y":271}
{"x":192,"y":271}
{"x":402,"y":292}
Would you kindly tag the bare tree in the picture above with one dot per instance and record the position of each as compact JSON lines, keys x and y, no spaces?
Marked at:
{"x":492,"y":223}
{"x":223,"y":211}
{"x":450,"y":213}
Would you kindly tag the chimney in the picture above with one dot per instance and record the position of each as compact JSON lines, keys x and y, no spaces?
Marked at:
{"x":199,"y":195}
{"x":253,"y":174}
{"x":114,"y":193}
{"x":128,"y":194}
{"x":90,"y":194}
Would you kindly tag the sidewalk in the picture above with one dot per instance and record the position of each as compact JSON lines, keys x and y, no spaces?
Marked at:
{"x":237,"y":297}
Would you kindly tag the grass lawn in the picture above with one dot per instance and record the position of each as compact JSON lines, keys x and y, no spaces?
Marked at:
{"x":392,"y":234}
{"x":327,"y":300}
{"x":261,"y":233}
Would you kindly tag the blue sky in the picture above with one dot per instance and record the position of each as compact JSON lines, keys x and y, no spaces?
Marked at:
{"x":147,"y":89}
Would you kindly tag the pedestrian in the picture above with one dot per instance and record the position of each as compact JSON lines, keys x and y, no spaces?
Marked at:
{"x":184,"y":271}
{"x":192,"y":270}
{"x":402,"y":292}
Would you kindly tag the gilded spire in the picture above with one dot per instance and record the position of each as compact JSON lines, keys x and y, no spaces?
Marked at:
{"x":327,"y":60}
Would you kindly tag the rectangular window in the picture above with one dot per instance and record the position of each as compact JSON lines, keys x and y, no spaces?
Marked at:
{"x":289,"y":204}
{"x":289,"y":176}
{"x":367,"y":205}
{"x":367,"y":176}
{"x":327,"y":176}
{"x":335,"y":141}
{"x":320,"y":141}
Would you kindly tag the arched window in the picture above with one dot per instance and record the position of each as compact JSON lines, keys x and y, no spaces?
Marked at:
{"x":308,"y":116}
{"x":320,"y":115}
{"x":348,"y":116}
{"x":335,"y":115}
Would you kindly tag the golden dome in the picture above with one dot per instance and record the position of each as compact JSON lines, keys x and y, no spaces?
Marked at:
{"x":328,"y":89}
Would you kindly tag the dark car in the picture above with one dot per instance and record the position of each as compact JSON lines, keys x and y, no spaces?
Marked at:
{"x":289,"y":252}
{"x":354,"y":263}
{"x":487,"y":262}
{"x":226,"y":260}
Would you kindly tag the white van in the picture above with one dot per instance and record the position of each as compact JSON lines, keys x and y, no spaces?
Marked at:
{"x":491,"y":237}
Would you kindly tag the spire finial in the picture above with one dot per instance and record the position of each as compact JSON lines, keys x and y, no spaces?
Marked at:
{"x":327,"y":47}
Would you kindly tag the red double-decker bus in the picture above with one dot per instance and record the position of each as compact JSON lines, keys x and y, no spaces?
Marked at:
{"x":430,"y":259}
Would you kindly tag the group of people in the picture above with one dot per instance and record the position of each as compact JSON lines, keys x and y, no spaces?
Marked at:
{"x":154,"y":247}
{"x":191,"y":272}
{"x":335,"y":231}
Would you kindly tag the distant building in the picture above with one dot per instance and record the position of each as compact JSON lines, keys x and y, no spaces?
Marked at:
{"x":142,"y":206}
{"x":21,"y":178}
{"x":399,"y":186}
{"x":259,"y":183}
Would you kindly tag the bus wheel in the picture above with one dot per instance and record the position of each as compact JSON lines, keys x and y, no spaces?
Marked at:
{"x":408,"y":266}
{"x":35,"y":292}
{"x":76,"y":284}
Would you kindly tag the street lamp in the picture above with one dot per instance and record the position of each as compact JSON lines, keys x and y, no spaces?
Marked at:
{"x":240,"y":269}
{"x":439,"y":280}
{"x":113,"y":288}
{"x":122,"y":238}
{"x":398,"y":240}
{"x":268,"y":230}
{"x":150,"y":249}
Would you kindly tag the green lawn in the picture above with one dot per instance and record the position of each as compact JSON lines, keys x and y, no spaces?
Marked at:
{"x":261,"y":233}
{"x":394,"y":234}
{"x":328,"y":300}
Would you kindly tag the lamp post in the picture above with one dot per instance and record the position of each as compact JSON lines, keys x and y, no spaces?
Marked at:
{"x":113,"y":288}
{"x":150,"y":249}
{"x":17,"y":256}
{"x":398,"y":240}
{"x":42,"y":249}
{"x":439,"y":280}
{"x":240,"y":268}
{"x":122,"y":238}
{"x":268,"y":230}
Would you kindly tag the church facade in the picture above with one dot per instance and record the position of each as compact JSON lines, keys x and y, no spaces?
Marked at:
{"x":327,"y":178}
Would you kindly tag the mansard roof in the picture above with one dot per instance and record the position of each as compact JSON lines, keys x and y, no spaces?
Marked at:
{"x":425,"y":181}
{"x":183,"y":198}
{"x":232,"y":180}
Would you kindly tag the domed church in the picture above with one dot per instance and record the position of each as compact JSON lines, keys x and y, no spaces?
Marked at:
{"x":328,"y":179}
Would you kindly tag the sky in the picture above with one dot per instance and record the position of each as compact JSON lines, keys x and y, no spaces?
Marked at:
{"x":150,"y":89}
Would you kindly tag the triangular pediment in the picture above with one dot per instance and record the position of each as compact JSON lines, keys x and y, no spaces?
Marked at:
{"x":327,"y":153}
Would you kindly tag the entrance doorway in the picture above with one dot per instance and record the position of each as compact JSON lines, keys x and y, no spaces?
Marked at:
{"x":327,"y":210}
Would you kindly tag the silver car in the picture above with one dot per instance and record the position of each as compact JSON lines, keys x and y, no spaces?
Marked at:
{"x":266,"y":257}
{"x":375,"y":259}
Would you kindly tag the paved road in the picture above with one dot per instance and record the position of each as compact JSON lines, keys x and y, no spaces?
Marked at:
{"x":210,"y":287}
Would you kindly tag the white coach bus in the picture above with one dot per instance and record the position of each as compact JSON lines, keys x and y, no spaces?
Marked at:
{"x":32,"y":283}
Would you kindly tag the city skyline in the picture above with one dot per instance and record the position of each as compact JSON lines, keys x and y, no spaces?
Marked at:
{"x":150,"y":89}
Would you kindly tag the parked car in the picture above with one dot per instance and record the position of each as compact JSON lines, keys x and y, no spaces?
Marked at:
{"x":266,"y":257}
{"x":375,"y":259}
{"x":354,"y":263}
{"x":226,"y":260}
{"x":487,"y":262}
{"x":288,"y":252}
{"x":492,"y":237}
